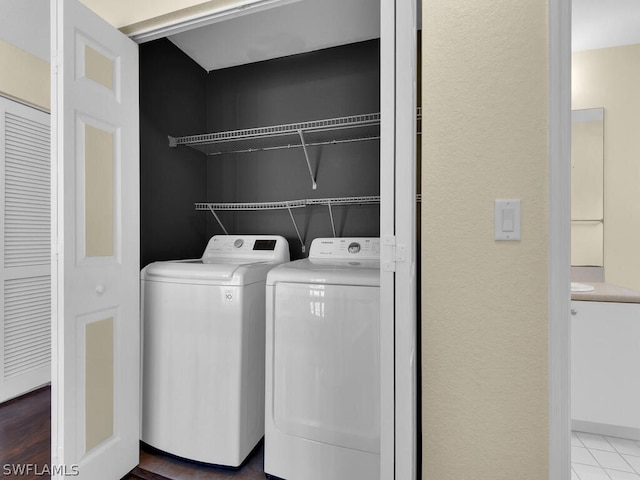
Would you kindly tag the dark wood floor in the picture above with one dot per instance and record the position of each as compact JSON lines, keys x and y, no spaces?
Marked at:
{"x":174,"y":468}
{"x":140,"y":474}
{"x":25,"y":432}
{"x":25,"y":439}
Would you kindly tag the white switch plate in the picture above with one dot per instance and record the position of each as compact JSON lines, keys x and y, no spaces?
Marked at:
{"x":507,"y":220}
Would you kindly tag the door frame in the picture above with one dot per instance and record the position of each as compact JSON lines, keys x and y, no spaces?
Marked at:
{"x":559,"y":241}
{"x":398,"y":287}
{"x":403,"y":207}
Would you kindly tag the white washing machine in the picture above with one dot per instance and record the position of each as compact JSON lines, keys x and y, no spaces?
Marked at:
{"x":322,"y":403}
{"x":203,"y":349}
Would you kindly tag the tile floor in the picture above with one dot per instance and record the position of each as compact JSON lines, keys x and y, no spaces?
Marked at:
{"x":596,"y":457}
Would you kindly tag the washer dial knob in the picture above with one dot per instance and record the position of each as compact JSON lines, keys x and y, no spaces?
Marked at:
{"x":354,"y":247}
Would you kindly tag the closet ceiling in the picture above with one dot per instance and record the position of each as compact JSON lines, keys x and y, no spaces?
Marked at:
{"x":298,"y":27}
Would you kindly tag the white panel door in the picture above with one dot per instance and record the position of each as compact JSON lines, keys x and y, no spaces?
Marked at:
{"x":25,"y":252}
{"x":95,"y":232}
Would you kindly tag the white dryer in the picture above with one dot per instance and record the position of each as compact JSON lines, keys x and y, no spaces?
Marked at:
{"x":203,"y":349}
{"x":322,"y":417}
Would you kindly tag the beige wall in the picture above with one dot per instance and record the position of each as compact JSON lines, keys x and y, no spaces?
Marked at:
{"x":609,"y":78}
{"x":484,"y":326}
{"x":25,"y":76}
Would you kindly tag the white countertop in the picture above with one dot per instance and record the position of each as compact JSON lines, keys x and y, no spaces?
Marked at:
{"x":606,"y":292}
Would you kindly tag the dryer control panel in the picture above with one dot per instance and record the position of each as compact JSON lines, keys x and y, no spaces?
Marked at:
{"x":360,"y":248}
{"x":252,"y":248}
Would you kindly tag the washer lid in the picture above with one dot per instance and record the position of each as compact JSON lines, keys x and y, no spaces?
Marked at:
{"x":239,"y":272}
{"x":227,"y":260}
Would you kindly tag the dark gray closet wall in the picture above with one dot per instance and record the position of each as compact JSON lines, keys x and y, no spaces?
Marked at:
{"x":177,"y":97}
{"x":329,"y":83}
{"x":172,"y":102}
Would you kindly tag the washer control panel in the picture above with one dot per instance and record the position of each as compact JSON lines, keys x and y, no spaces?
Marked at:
{"x":361,"y":248}
{"x":253,"y":248}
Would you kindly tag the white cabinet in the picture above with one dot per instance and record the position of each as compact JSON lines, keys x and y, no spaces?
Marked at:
{"x":605,"y":367}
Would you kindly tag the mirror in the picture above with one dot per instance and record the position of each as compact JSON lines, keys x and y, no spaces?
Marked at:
{"x":587,"y":187}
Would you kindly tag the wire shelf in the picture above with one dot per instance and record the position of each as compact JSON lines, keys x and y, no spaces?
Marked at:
{"x":318,"y":132}
{"x":287,"y":204}
{"x":329,"y":131}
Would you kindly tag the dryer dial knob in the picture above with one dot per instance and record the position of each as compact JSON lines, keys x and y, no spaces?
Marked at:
{"x":238,"y":243}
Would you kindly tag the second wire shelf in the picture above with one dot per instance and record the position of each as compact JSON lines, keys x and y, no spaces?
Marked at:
{"x":288,"y":205}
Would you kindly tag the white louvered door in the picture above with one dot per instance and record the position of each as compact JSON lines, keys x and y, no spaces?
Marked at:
{"x":25,"y":251}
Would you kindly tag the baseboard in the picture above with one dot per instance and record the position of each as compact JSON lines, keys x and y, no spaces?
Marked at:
{"x":606,"y":429}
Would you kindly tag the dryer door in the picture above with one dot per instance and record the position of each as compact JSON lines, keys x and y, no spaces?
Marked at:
{"x":326,"y":364}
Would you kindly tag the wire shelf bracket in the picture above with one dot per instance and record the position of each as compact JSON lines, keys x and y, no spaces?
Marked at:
{"x":295,"y":225}
{"x":333,"y":225}
{"x":218,"y":220}
{"x":314,"y":185}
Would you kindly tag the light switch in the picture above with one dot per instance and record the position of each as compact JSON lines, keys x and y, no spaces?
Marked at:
{"x":507,"y":220}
